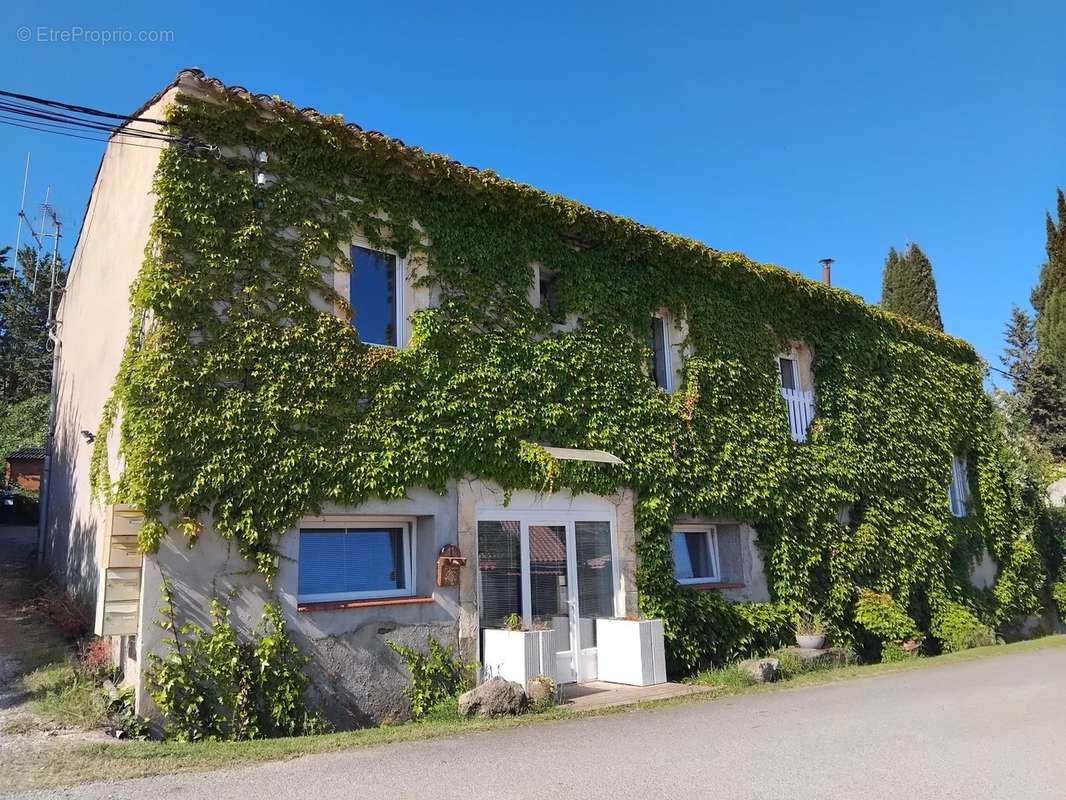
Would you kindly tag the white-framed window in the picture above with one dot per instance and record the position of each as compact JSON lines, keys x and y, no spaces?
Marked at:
{"x":959,"y":488}
{"x":696,"y":553}
{"x":659,"y":342}
{"x":788,"y":370}
{"x":375,"y":292}
{"x":346,"y":560}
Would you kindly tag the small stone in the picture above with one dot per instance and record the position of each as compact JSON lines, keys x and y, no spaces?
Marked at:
{"x":496,"y":697}
{"x":763,"y":670}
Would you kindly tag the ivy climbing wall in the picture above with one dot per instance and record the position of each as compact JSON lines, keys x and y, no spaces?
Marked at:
{"x":242,"y":400}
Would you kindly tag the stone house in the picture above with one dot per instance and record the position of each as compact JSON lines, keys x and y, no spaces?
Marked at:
{"x":450,"y":563}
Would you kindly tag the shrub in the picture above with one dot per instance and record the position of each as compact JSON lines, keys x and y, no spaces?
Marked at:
{"x":94,"y":660}
{"x":212,"y":685}
{"x":958,"y":628}
{"x":764,"y":627}
{"x":1058,"y":593}
{"x":892,"y":652}
{"x":437,"y":676}
{"x":880,"y":615}
{"x":69,"y":615}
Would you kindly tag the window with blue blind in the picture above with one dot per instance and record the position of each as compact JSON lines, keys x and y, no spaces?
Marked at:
{"x":352,"y":563}
{"x":374,"y":296}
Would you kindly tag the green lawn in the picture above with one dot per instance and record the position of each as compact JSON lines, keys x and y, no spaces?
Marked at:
{"x":84,"y":763}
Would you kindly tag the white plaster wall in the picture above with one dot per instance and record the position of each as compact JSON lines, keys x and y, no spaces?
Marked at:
{"x":94,"y":319}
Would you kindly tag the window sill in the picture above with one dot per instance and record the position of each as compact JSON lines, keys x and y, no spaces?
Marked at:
{"x":370,"y":602}
{"x":713,"y":585}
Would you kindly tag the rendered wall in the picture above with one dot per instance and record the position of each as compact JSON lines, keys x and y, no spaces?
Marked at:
{"x":94,"y":320}
{"x":355,"y":678}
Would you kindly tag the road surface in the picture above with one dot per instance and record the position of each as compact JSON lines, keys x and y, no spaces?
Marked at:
{"x":989,"y":728}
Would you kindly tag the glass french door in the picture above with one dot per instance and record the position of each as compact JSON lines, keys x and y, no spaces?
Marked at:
{"x":557,"y":574}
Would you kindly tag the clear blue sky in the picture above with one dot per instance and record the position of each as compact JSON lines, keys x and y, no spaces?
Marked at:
{"x":790,"y":131}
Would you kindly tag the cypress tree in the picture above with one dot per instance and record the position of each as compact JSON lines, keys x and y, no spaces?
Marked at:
{"x":1049,"y":296}
{"x":908,"y":287}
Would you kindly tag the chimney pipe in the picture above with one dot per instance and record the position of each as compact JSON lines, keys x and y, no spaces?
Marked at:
{"x":826,"y":272}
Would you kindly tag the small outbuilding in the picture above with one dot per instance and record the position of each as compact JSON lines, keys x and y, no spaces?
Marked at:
{"x":24,"y":467}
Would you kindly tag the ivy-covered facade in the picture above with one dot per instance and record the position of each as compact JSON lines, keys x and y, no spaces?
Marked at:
{"x":747,"y":433}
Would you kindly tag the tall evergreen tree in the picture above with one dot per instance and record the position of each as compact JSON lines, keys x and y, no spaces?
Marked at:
{"x":1037,"y":398}
{"x":1049,"y":296}
{"x":908,"y":287}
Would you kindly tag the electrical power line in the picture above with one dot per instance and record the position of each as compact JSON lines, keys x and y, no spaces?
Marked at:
{"x":75,"y":121}
{"x":76,"y":136}
{"x":80,"y":109}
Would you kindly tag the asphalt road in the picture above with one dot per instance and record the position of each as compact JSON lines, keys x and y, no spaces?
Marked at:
{"x":990,"y":728}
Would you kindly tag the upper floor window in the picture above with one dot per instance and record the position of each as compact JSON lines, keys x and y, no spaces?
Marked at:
{"x":789,"y":372}
{"x":355,"y":561}
{"x":799,"y":402}
{"x":374,"y":295}
{"x":959,"y":488}
{"x":659,"y":342}
{"x":548,"y":287}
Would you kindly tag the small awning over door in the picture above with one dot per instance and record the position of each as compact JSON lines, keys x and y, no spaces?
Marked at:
{"x":574,"y":454}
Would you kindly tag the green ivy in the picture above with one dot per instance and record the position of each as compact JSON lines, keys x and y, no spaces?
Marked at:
{"x":241,"y":401}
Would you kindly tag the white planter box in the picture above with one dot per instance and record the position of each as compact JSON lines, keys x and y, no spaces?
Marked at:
{"x":518,"y":656}
{"x":631,"y":651}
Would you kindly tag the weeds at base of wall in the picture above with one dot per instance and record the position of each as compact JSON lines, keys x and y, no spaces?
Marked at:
{"x":83,"y":692}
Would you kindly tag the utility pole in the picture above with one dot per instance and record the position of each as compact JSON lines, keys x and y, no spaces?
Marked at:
{"x":51,"y":327}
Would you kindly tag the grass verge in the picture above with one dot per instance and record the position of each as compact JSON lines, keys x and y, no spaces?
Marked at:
{"x":85,"y":763}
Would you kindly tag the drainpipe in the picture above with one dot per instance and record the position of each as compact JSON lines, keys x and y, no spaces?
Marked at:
{"x":826,"y":263}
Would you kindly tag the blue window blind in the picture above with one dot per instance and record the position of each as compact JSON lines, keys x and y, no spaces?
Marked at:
{"x":352,"y":561}
{"x":373,"y":295}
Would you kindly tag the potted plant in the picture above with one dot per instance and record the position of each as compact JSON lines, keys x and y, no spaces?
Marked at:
{"x":810,"y":630}
{"x":516,"y":653}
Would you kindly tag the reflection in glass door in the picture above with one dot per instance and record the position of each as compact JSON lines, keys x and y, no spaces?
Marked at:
{"x":594,"y":573}
{"x":549,"y":594}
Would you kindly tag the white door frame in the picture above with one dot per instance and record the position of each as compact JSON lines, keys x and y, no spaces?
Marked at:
{"x":566,"y":519}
